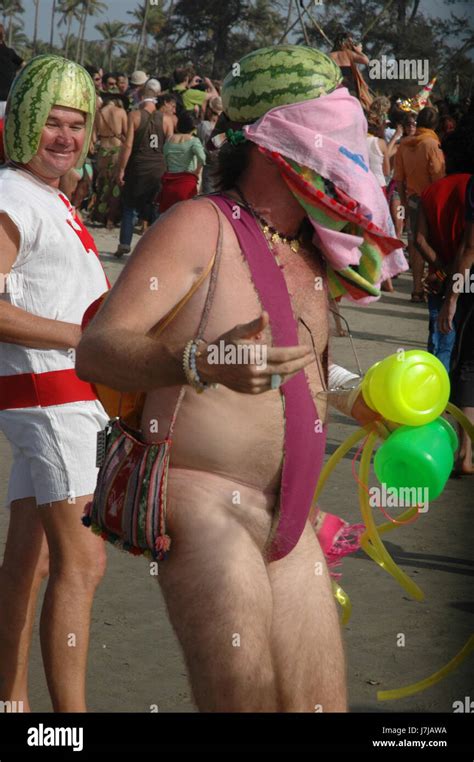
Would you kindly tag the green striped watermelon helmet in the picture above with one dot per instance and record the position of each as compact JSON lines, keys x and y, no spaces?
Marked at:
{"x":44,"y":82}
{"x":277,"y":76}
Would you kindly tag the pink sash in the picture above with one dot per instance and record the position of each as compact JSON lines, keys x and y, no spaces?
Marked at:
{"x":304,"y":442}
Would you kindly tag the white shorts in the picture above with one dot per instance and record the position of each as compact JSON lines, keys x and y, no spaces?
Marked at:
{"x":54,"y":450}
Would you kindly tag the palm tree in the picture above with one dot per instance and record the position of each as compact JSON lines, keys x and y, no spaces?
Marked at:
{"x":18,"y":37}
{"x":10,"y":9}
{"x":89,"y":8}
{"x":69,"y":10}
{"x":53,"y":12}
{"x":113,"y":32}
{"x":149,"y":20}
{"x":143,"y":33}
{"x":35,"y":30}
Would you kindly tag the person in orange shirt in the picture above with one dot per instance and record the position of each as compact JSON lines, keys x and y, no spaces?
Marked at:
{"x":418,"y":163}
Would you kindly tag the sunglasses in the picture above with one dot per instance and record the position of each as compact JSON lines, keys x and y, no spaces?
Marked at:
{"x":356,"y":376}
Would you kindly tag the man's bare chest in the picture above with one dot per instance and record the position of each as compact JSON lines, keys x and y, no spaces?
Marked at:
{"x":306,"y":283}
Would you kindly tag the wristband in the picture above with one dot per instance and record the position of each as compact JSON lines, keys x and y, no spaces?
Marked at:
{"x":190,"y":368}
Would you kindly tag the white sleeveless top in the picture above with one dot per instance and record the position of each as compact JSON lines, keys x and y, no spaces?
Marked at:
{"x":57,"y":273}
{"x":376,"y":159}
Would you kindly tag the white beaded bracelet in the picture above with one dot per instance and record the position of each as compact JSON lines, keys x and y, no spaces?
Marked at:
{"x":190,"y":368}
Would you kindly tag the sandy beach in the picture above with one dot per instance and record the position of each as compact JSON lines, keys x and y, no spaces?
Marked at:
{"x":135,"y":664}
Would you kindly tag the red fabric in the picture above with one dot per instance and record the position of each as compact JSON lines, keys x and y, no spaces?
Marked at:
{"x":92,"y":311}
{"x":443,"y":203}
{"x":57,"y":387}
{"x":81,"y":231}
{"x":176,"y":186}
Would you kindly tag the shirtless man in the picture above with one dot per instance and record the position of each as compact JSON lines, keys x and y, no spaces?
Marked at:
{"x":245,"y":582}
{"x":47,"y":414}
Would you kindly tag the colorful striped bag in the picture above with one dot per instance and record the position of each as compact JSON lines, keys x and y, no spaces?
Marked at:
{"x":129,"y":503}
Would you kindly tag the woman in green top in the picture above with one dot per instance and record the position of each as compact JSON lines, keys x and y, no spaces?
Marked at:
{"x":184,"y":156}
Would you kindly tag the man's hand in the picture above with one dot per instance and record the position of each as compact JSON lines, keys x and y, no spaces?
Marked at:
{"x":209,"y":86}
{"x":252,"y":377}
{"x":432,"y":284}
{"x":362,"y":413}
{"x":446,"y":314}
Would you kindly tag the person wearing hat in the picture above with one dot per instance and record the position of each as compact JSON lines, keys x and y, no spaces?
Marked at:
{"x":49,"y":416}
{"x":151,"y":91}
{"x":141,"y":163}
{"x":245,"y":582}
{"x":137,"y":83}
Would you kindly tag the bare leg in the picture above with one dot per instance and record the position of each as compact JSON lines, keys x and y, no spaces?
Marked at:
{"x":464,"y":457}
{"x":77,"y":564}
{"x":25,"y":565}
{"x":306,"y":636}
{"x":387,"y":285}
{"x":218,"y":594}
{"x":417,"y":265}
{"x":235,"y":616}
{"x":398,"y":221}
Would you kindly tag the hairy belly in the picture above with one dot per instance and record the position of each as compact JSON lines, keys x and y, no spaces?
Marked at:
{"x":238,"y":436}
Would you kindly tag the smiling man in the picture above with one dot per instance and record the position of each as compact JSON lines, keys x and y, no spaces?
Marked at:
{"x":51,"y":273}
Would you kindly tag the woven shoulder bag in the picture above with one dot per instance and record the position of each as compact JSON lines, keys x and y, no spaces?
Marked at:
{"x":129,"y":503}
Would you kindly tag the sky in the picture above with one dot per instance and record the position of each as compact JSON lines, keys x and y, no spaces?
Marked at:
{"x":117,"y":11}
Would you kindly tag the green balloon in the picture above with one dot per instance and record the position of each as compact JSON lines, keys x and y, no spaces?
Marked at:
{"x":417,"y":458}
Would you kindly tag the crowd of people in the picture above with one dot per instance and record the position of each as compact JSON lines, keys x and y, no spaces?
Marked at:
{"x":125,"y":151}
{"x":421,"y":152}
{"x":148,"y":148}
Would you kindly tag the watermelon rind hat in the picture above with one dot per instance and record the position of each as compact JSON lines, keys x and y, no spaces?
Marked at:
{"x":44,"y":82}
{"x":277,"y":76}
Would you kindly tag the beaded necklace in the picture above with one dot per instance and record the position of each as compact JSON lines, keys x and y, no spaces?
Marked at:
{"x":272,"y":235}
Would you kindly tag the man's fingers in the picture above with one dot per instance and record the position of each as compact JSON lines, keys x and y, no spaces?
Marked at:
{"x":285,"y":354}
{"x":249,"y":330}
{"x":289,"y":367}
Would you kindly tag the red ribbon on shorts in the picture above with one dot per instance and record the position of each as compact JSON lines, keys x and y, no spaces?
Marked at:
{"x":57,"y":387}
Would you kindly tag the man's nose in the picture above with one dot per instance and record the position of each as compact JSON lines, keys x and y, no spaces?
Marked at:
{"x":64,"y":133}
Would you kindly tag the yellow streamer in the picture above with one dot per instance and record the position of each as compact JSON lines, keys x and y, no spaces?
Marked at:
{"x":344,"y":601}
{"x":461,"y":419}
{"x":405,"y":516}
{"x":409,"y":690}
{"x":373,"y":545}
{"x":335,"y":458}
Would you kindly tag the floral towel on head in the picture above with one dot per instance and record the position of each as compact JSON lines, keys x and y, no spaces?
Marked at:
{"x":320,"y":147}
